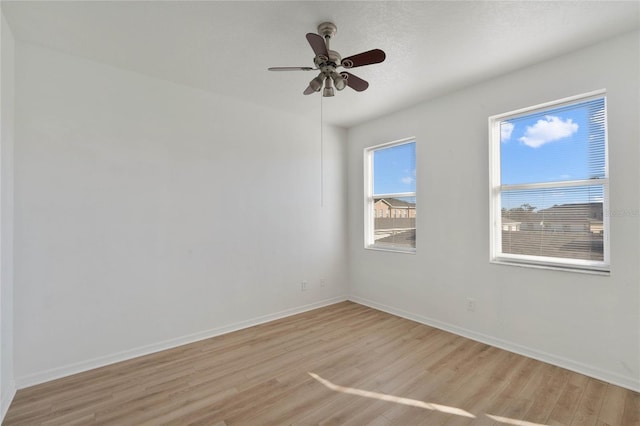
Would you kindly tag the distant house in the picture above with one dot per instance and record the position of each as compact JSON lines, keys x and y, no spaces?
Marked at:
{"x":392,"y":207}
{"x":596,"y":226}
{"x":577,"y":217}
{"x":510,"y":225}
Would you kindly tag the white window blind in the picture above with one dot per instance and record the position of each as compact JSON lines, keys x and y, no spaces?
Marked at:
{"x":550,"y":184}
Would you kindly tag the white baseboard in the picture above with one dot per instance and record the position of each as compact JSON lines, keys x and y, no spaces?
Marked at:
{"x":56,"y":373}
{"x":67,"y":370}
{"x":578,"y":367}
{"x":7,"y":398}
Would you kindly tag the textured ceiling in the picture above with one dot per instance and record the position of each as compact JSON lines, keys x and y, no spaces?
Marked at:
{"x":225,"y":47}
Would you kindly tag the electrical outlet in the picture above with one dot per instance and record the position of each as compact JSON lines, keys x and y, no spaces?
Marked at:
{"x":471,"y":305}
{"x":303,"y":286}
{"x":323,"y":282}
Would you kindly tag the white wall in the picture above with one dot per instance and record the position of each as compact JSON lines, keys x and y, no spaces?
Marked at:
{"x":150,"y":214}
{"x":583,"y":322}
{"x":7,"y":384}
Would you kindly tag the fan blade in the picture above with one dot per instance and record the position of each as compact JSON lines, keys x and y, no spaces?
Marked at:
{"x":291,"y":69}
{"x":308,"y":90}
{"x":317,"y":44}
{"x":355,"y":82}
{"x":374,"y":56}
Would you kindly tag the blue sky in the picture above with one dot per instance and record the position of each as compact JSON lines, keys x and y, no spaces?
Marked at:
{"x":394,"y":169}
{"x":545,"y":148}
{"x":551,"y":147}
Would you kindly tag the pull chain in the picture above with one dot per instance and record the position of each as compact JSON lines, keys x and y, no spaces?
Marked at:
{"x":321,"y":157}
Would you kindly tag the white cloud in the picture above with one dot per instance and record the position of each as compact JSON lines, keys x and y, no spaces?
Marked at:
{"x":506,"y":129}
{"x":410,"y":176}
{"x":550,"y":129}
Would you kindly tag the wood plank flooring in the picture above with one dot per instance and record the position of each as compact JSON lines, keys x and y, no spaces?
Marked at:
{"x":344,"y":364}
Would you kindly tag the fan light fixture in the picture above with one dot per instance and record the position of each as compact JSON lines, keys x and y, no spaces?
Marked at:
{"x":328,"y":90}
{"x":316,"y":83}
{"x":338,"y":80}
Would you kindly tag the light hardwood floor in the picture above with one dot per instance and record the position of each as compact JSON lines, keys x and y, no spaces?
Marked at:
{"x":342,"y":364}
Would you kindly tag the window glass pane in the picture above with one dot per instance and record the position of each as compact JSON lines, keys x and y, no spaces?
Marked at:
{"x":560,"y":222}
{"x":394,"y":222}
{"x":394,"y":169}
{"x":560,"y":144}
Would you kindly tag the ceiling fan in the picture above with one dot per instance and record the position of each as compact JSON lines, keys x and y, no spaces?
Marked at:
{"x":327,"y":61}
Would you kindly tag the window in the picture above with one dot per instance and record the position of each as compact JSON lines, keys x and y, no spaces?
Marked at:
{"x":549,"y":185}
{"x":390,"y":186}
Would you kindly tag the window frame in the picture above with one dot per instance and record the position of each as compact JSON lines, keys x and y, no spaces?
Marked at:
{"x":369,"y":215}
{"x":496,"y":189}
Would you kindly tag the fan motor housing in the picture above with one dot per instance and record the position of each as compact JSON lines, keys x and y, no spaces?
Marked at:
{"x":333,"y":60}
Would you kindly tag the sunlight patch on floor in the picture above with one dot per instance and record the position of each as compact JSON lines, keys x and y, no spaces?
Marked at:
{"x":391,"y":398}
{"x":509,"y":421}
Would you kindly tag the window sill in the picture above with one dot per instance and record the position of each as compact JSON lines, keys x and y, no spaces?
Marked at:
{"x":392,"y":249}
{"x":563,"y":268}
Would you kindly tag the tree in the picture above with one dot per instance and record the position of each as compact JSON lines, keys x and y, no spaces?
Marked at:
{"x":525,"y":213}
